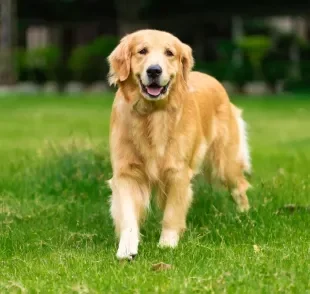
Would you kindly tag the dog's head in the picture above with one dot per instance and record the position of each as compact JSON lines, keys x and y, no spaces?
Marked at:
{"x":153,"y":60}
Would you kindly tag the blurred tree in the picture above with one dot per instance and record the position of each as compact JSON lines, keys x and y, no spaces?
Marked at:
{"x":256,"y":48}
{"x":7,"y":41}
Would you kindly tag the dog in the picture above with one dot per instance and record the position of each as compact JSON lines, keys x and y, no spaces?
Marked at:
{"x":168,"y":123}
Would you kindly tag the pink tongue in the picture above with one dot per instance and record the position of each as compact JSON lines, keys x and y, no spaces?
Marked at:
{"x":154,"y":91}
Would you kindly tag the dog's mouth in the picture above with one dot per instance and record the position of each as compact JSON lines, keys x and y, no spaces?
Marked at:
{"x":154,"y":90}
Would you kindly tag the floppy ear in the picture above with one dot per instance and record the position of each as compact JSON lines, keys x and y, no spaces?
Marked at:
{"x":187,"y":60}
{"x":119,"y":62}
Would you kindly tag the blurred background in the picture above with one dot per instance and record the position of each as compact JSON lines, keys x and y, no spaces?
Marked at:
{"x":62,"y":45}
{"x":57,"y":235}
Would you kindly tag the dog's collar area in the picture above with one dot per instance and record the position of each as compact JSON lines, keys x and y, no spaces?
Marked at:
{"x":143,"y":107}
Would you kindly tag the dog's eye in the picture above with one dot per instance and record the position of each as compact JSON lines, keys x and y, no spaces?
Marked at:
{"x":143,"y":51}
{"x":169,"y":53}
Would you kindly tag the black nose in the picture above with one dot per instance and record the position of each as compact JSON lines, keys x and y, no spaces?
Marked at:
{"x":154,"y":71}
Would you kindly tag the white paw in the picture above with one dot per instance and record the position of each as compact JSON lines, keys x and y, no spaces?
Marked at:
{"x":128,"y":244}
{"x":243,"y":207}
{"x":169,"y":238}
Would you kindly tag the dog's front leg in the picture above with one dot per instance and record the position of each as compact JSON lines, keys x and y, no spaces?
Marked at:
{"x":179,"y":196}
{"x":129,"y":201}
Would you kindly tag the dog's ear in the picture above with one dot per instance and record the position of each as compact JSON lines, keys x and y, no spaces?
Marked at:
{"x":119,"y":62}
{"x":187,"y":60}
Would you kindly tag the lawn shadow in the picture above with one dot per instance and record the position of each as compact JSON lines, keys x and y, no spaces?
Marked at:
{"x":211,"y":215}
{"x":61,"y":197}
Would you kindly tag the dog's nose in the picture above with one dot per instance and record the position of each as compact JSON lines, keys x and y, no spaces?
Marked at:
{"x":154,"y":71}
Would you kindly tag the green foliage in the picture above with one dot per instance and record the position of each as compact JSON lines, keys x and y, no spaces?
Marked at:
{"x":256,"y":48}
{"x":46,"y":59}
{"x":226,"y":49}
{"x":242,"y":74}
{"x":217,"y":69}
{"x":275,"y":70}
{"x":78,"y":62}
{"x":226,"y":70}
{"x":206,"y":67}
{"x":297,"y":86}
{"x":88,"y":62}
{"x":286,"y":40}
{"x":103,"y":46}
{"x":20,"y":63}
{"x":301,"y":84}
{"x":305,"y":70}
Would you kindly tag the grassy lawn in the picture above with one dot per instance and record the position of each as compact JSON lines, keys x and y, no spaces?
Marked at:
{"x":57,"y":236}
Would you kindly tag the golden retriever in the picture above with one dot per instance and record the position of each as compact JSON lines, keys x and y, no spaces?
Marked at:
{"x":168,"y":123}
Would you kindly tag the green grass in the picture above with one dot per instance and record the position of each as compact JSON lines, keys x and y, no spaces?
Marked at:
{"x":57,"y":235}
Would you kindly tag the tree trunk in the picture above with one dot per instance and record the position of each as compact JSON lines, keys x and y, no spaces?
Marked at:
{"x":7,"y":41}
{"x":295,"y":50}
{"x":237,"y":35}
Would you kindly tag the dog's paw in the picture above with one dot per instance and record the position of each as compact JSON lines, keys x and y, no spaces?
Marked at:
{"x":128,"y":245}
{"x":243,"y":208}
{"x":169,"y":239}
{"x":125,"y":254}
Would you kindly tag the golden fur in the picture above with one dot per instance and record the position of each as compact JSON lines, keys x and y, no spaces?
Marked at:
{"x":163,"y":144}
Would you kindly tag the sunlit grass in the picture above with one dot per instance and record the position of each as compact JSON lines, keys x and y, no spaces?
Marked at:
{"x":57,"y":235}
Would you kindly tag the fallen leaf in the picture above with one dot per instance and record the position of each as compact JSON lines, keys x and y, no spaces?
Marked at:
{"x":161,"y":266}
{"x":293,"y":208}
{"x":256,"y":248}
{"x":281,"y":171}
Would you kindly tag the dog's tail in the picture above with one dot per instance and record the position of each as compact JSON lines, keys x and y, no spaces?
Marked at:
{"x":244,"y":152}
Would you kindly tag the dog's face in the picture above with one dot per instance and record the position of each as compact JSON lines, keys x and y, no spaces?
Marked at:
{"x":153,"y":60}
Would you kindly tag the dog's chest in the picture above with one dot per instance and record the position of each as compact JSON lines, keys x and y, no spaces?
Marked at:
{"x":152,"y":136}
